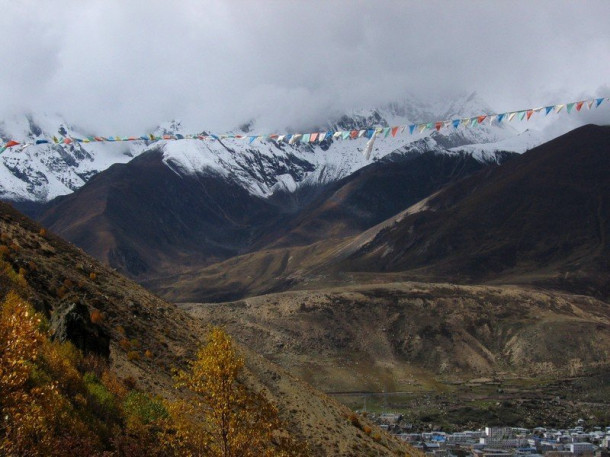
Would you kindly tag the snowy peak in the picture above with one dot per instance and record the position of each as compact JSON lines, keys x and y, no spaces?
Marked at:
{"x":43,"y":172}
{"x":263,"y":167}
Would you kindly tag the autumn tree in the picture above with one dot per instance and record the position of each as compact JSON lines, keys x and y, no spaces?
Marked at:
{"x":36,"y":419}
{"x":225,"y":419}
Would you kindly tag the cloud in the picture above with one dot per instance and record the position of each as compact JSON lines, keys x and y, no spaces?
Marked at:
{"x":119,"y":67}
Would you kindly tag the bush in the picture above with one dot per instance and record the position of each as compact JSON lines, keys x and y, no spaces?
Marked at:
{"x":96,"y":316}
{"x":354,"y":420}
{"x":141,"y":408}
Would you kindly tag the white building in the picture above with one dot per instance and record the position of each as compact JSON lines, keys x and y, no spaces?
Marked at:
{"x":581,"y":448}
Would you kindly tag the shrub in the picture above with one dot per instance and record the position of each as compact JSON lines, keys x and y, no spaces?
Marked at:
{"x":4,"y":251}
{"x":96,"y":316}
{"x":143,"y":409}
{"x":125,"y":344}
{"x":104,"y":401}
{"x":354,"y":420}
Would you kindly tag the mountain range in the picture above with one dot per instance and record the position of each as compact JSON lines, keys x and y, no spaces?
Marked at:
{"x":449,"y":257}
{"x":540,"y":218}
{"x":42,"y":172}
{"x":166,"y":205}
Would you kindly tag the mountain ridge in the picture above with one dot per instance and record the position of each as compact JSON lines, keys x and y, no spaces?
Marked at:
{"x":517,"y":223}
{"x":42,"y":172}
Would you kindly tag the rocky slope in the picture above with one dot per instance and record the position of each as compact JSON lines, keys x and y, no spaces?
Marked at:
{"x":405,"y":336}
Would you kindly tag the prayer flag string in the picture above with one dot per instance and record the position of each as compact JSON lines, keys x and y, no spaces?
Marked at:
{"x":318,"y":137}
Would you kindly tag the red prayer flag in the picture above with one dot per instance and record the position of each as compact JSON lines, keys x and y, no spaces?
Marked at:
{"x":313,"y":137}
{"x":438,"y":126}
{"x":394,"y":130}
{"x":579,"y":106}
{"x":353,"y":134}
{"x":529,"y":114}
{"x":481,"y":118}
{"x":11,"y":143}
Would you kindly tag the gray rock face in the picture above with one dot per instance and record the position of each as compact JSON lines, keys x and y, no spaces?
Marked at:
{"x":71,"y":322}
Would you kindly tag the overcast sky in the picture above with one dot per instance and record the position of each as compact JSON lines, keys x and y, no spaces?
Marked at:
{"x":122,"y":67}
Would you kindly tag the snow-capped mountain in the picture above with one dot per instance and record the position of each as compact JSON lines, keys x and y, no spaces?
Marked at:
{"x":43,"y":172}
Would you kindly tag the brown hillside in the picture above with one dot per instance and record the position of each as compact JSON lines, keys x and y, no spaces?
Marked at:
{"x":58,"y":274}
{"x":394,"y":337}
{"x":544,"y":214}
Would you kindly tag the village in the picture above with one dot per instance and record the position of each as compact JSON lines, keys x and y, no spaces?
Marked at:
{"x":581,"y":440}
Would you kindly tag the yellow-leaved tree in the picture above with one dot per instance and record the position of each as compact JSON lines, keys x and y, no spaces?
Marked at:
{"x":225,"y":418}
{"x":34,"y":417}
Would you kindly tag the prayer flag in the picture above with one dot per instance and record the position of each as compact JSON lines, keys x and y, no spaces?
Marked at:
{"x":569,"y":107}
{"x":369,"y":146}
